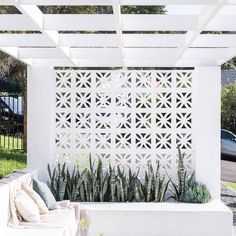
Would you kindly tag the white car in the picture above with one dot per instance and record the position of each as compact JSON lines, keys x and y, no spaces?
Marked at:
{"x":228,"y":143}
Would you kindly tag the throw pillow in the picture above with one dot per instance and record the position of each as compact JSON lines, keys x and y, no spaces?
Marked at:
{"x":36,"y":198}
{"x":45,"y":193}
{"x":26,"y":207}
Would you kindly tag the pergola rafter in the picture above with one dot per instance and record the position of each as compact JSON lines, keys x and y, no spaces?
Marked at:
{"x":119,"y":40}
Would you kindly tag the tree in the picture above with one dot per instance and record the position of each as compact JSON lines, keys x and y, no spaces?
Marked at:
{"x":230,"y":65}
{"x":228,"y":108}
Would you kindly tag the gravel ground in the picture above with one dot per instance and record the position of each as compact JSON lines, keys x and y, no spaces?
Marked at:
{"x":228,"y":196}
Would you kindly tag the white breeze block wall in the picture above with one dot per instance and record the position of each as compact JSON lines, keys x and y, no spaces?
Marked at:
{"x":126,"y":118}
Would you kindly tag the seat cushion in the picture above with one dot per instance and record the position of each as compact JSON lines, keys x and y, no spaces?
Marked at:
{"x":60,"y":222}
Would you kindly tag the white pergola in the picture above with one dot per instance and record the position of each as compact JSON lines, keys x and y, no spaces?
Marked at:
{"x":119,"y":49}
{"x":132,"y":42}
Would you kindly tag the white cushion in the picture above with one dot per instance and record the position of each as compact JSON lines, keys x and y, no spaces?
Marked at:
{"x":36,"y":198}
{"x":27,"y":208}
{"x":60,"y":222}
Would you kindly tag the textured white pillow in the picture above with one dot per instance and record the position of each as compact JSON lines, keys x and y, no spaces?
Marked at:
{"x":27,"y":208}
{"x":36,"y":198}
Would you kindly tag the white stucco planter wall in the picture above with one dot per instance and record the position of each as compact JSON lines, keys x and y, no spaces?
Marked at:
{"x":159,"y":219}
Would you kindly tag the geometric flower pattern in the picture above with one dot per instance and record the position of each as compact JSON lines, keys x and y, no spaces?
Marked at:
{"x":163,"y":120}
{"x":82,"y":120}
{"x":123,"y":160}
{"x":83,"y":141}
{"x":164,"y":100}
{"x":163,"y":79}
{"x":63,"y":120}
{"x":128,"y":118}
{"x":143,"y":100}
{"x":184,"y":80}
{"x":163,"y":141}
{"x":83,"y":80}
{"x":164,"y":160}
{"x":122,"y":121}
{"x":143,"y":120}
{"x":141,"y":162}
{"x":103,"y":100}
{"x":184,"y":100}
{"x":103,"y":140}
{"x":184,"y":120}
{"x":83,"y":100}
{"x":143,"y":140}
{"x":103,"y":121}
{"x":123,"y":140}
{"x":123,"y":100}
{"x":143,"y":80}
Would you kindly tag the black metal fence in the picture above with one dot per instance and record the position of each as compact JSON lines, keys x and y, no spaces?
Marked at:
{"x":11,"y":121}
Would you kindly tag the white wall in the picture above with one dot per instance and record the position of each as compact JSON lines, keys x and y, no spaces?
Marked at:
{"x":206,"y":122}
{"x":40,"y":119}
{"x":207,"y":89}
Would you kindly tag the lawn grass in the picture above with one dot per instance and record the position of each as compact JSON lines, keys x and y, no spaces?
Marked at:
{"x":11,"y":160}
{"x":11,"y":143}
{"x":231,"y":185}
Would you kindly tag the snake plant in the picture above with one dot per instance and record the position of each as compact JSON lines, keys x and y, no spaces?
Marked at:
{"x":98,"y":184}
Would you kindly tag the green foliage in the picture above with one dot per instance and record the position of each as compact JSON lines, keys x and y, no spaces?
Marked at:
{"x":11,"y":85}
{"x":155,"y":186}
{"x":98,"y":184}
{"x":229,"y":65}
{"x":11,"y":160}
{"x":187,"y":190}
{"x":94,"y":184}
{"x":179,"y":188}
{"x":228,"y":108}
{"x":197,"y":193}
{"x":143,"y":10}
{"x":8,"y":10}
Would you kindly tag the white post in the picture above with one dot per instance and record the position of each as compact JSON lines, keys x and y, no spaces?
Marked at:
{"x":207,"y":90}
{"x":40,"y":119}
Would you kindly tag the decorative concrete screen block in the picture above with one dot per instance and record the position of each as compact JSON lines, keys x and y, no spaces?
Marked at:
{"x":126,"y":118}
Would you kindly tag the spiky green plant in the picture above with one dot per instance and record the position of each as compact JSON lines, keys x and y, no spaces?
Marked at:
{"x":57,"y":182}
{"x":94,"y":184}
{"x":155,"y":186}
{"x":184,"y":181}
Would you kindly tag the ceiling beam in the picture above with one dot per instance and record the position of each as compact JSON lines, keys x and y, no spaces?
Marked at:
{"x":118,"y":27}
{"x":73,"y":22}
{"x":110,"y":2}
{"x":207,"y":14}
{"x":37,"y":18}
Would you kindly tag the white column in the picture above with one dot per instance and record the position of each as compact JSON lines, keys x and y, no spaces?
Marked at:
{"x":40,"y":119}
{"x":207,"y":90}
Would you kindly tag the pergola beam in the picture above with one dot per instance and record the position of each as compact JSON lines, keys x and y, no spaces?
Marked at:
{"x":60,"y":22}
{"x":207,"y":14}
{"x":37,"y":18}
{"x":111,"y":40}
{"x":110,"y":2}
{"x":132,"y":38}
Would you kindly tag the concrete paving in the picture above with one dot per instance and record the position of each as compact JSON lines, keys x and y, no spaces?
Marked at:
{"x":228,"y":171}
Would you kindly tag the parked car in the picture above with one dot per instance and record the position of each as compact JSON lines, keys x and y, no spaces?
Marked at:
{"x":228,"y":144}
{"x":11,"y":115}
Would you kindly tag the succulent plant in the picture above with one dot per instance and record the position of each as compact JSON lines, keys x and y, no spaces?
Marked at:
{"x":96,"y":184}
